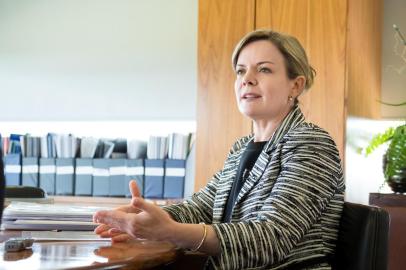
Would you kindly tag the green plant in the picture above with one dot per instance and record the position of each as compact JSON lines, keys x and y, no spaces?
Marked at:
{"x":395,"y":157}
{"x":394,"y":160}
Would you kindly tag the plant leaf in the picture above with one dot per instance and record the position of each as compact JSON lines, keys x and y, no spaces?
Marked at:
{"x":396,"y":154}
{"x":379,"y":139}
{"x":393,"y":104}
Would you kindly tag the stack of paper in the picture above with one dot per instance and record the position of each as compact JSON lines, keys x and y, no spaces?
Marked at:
{"x":136,"y":149}
{"x":36,"y":216}
{"x":62,"y":236}
{"x":88,"y":147}
{"x":157,"y":147}
{"x":66,"y":145}
{"x":179,"y":145}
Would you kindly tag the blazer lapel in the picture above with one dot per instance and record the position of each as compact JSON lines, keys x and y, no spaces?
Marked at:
{"x":294,"y":118}
{"x":226,"y":182}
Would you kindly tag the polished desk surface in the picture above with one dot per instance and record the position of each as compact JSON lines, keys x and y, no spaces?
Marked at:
{"x":98,"y":255}
{"x":88,"y":254}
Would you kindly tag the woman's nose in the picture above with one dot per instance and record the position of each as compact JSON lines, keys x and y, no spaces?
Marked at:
{"x":249,"y":79}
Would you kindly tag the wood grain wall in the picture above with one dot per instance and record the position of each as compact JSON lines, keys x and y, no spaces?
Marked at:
{"x":364,"y":58}
{"x":219,"y":123}
{"x":320,"y":25}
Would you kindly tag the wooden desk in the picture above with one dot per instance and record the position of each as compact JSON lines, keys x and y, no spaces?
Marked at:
{"x":97,"y":255}
{"x":88,"y":255}
{"x":395,"y":204}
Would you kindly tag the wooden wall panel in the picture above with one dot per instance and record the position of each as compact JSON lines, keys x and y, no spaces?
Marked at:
{"x":320,"y":25}
{"x":364,"y":58}
{"x":219,"y":123}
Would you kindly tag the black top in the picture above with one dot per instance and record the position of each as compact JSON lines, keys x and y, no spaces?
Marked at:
{"x":247,"y":161}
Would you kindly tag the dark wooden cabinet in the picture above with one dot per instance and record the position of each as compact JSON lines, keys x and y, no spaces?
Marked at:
{"x":395,"y":204}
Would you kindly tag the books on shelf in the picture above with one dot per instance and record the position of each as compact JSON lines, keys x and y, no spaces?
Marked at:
{"x":179,"y":146}
{"x":157,"y":147}
{"x":63,"y":164}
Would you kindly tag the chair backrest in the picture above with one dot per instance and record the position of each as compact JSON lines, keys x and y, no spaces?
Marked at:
{"x":362,"y":238}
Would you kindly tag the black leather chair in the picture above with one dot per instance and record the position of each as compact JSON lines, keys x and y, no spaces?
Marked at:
{"x":362,"y":239}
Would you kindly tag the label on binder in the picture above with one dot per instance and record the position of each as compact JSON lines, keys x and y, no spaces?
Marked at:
{"x":64,"y":170}
{"x":177,"y":172}
{"x":12,"y":169}
{"x":135,"y":171}
{"x":154,"y":171}
{"x":47,"y":169}
{"x":100,"y":172}
{"x":84,"y":170}
{"x":30,"y":169}
{"x":118,"y":170}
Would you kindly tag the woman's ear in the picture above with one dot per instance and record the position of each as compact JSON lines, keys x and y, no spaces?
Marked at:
{"x":298,"y":86}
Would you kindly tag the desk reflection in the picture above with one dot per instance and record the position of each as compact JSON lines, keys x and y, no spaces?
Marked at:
{"x":90,"y":255}
{"x":15,"y":256}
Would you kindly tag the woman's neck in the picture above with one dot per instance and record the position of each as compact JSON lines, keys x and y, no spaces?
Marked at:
{"x":265,"y":128}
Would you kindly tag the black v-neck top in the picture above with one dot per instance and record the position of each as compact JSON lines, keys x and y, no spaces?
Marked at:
{"x":248,"y":159}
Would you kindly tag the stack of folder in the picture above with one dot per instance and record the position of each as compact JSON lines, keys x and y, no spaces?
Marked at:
{"x":11,"y":149}
{"x":62,"y":164}
{"x":38,"y":216}
{"x":165,"y":167}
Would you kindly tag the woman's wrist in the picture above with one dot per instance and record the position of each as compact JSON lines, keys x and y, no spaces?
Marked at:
{"x":195,"y":237}
{"x":172,"y":232}
{"x":187,"y":236}
{"x":199,"y":245}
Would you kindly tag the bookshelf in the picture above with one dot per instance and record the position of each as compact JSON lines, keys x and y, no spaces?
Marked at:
{"x":165,"y":172}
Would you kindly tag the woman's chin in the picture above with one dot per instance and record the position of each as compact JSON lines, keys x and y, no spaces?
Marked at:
{"x":249,"y":112}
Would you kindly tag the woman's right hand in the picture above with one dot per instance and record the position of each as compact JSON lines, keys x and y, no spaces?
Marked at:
{"x":116,"y":235}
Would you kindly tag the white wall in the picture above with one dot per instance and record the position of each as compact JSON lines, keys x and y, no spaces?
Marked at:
{"x":393,"y":59}
{"x":104,"y":60}
{"x":364,"y":175}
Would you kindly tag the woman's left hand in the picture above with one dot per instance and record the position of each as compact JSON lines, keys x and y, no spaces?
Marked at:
{"x":151,"y":223}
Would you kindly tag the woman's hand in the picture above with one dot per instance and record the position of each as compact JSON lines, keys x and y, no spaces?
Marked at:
{"x":148,"y":221}
{"x":106,"y":231}
{"x":141,"y":219}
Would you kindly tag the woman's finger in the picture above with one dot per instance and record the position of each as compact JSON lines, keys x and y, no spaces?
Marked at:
{"x":121,"y":238}
{"x":113,"y":218}
{"x":101,"y":228}
{"x":115,"y":231}
{"x":109,"y":234}
{"x":135,"y":191}
{"x":141,"y":204}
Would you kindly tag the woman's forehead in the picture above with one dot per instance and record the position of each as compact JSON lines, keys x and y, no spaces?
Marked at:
{"x":260,"y":51}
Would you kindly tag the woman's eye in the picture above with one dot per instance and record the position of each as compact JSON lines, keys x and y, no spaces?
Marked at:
{"x":265,"y":70}
{"x":239,"y":71}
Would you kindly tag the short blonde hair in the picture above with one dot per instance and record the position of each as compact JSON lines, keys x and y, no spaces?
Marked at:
{"x":296,"y":60}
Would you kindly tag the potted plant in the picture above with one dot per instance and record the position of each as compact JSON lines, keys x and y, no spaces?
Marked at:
{"x":394,"y":160}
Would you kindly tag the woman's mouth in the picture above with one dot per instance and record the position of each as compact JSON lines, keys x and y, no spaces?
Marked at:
{"x":250,"y":96}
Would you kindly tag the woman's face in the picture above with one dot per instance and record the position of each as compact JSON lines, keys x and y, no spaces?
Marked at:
{"x":262,"y":86}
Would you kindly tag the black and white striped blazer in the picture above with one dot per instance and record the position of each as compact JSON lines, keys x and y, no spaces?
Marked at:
{"x":287,"y":211}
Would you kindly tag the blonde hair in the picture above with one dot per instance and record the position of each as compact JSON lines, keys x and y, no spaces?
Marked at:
{"x":293,"y":53}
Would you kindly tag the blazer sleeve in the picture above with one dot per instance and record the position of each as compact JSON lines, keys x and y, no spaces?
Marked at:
{"x":199,"y":208}
{"x":308,"y":179}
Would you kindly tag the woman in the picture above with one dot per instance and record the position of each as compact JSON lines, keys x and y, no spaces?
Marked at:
{"x":277,"y":202}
